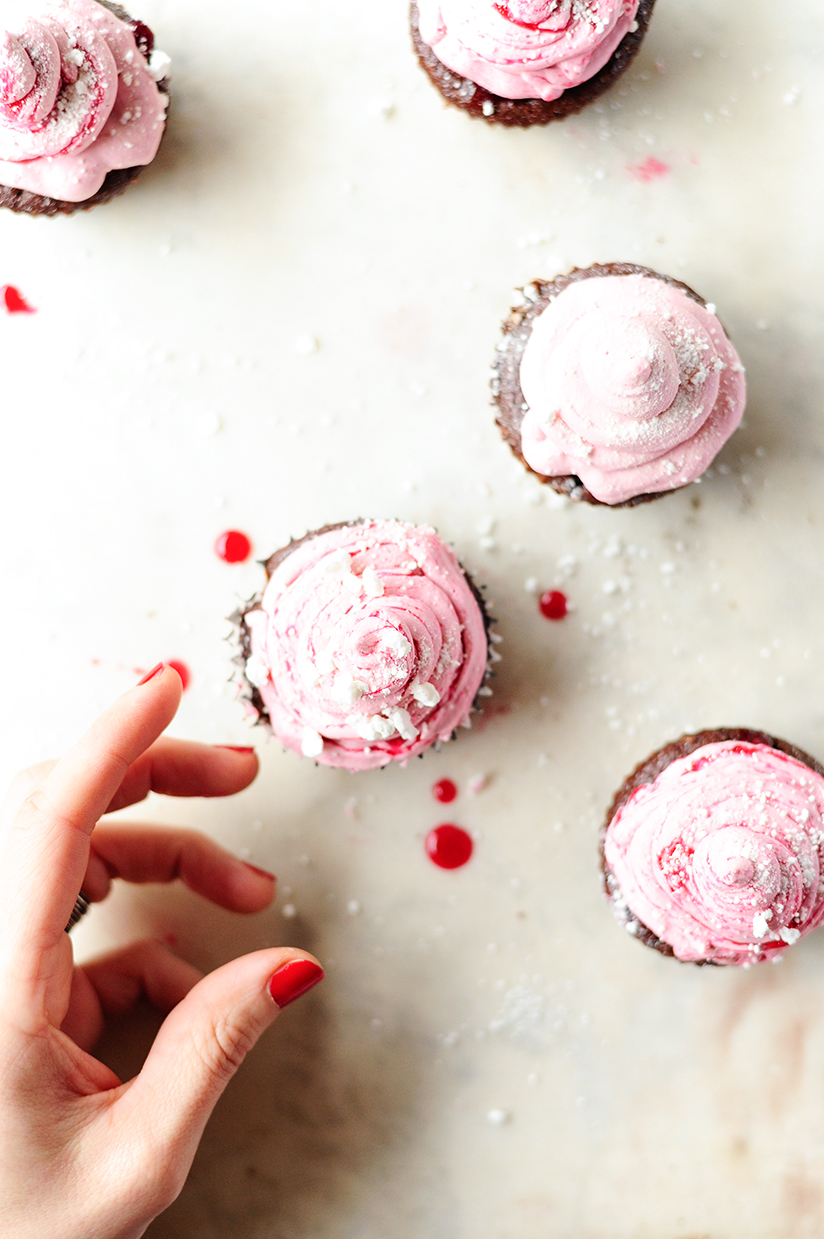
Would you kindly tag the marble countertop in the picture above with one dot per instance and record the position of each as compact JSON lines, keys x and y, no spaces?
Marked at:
{"x":490,"y":1057}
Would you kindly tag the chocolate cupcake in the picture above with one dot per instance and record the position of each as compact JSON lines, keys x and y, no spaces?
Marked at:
{"x":526,"y":62}
{"x":713,"y":848}
{"x":83,"y":100}
{"x":368,"y":644}
{"x":615,"y":384}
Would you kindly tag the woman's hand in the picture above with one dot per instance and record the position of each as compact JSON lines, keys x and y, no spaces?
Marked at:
{"x":83,"y":1156}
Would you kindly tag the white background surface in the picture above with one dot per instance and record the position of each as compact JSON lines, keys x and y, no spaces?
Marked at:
{"x":313,"y":183}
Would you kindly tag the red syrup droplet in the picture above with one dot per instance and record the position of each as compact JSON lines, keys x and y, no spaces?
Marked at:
{"x":15,"y":302}
{"x":182,"y":670}
{"x":449,"y":846}
{"x":444,"y":791}
{"x":143,"y":37}
{"x":552,"y":604}
{"x":233,"y":547}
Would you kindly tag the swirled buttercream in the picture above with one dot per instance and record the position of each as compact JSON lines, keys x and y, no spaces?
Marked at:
{"x":367,"y":644}
{"x":525,"y":49}
{"x":722,"y":856}
{"x":630,"y":384}
{"x":77,"y":98}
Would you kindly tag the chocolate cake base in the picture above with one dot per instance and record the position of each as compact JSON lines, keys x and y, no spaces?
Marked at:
{"x":507,"y":395}
{"x":24,"y":202}
{"x":648,"y":772}
{"x":523,"y":113}
{"x":238,"y":618}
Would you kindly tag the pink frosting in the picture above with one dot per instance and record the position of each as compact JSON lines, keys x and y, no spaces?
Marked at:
{"x":367,"y":645}
{"x":525,"y":49}
{"x":722,"y":856}
{"x":630,"y":384}
{"x":77,"y":99}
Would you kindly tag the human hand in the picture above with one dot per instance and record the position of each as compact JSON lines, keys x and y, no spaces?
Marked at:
{"x":82,"y":1155}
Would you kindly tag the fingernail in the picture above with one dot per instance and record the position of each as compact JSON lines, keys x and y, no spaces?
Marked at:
{"x":264,"y":873}
{"x":150,"y":675}
{"x":234,"y":748}
{"x":294,"y":979}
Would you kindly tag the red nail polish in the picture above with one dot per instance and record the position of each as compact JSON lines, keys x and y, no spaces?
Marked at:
{"x":294,"y":979}
{"x":263,"y":873}
{"x":150,"y":675}
{"x":234,"y":748}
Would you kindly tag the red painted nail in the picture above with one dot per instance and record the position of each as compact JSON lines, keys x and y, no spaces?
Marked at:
{"x":294,"y":979}
{"x":264,"y":873}
{"x":150,"y":675}
{"x":234,"y":748}
{"x":182,"y":670}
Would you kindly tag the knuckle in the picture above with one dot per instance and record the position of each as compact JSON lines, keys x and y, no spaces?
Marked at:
{"x":168,"y":1183}
{"x":23,"y":784}
{"x":156,"y":1179}
{"x":224,"y":1048}
{"x":31,"y":810}
{"x":36,"y":810}
{"x":150,"y":1170}
{"x":37,"y":802}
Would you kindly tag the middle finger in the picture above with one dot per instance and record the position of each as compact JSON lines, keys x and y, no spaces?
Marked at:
{"x":145,"y":853}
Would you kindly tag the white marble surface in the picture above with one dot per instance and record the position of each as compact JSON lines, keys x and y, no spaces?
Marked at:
{"x":312,"y":183}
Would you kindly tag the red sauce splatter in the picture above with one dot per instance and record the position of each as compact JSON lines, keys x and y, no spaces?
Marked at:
{"x":181,"y":669}
{"x":16,"y":303}
{"x":650,"y":170}
{"x":553,"y":604}
{"x":449,"y":846}
{"x":233,"y":547}
{"x":444,"y":791}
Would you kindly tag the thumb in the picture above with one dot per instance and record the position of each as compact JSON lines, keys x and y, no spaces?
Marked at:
{"x":201,"y":1044}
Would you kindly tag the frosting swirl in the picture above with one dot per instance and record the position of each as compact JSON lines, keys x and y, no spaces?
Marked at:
{"x":525,"y":49}
{"x":722,"y":856}
{"x":630,"y":384}
{"x":367,"y":644}
{"x":77,"y":98}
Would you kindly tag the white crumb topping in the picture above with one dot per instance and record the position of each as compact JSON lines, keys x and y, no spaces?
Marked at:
{"x":426,"y":694}
{"x":311,"y":744}
{"x":257,"y":673}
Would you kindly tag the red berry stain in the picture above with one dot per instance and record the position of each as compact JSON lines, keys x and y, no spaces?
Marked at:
{"x":143,"y":37}
{"x":449,"y":846}
{"x":181,"y":669}
{"x":233,"y":547}
{"x":650,"y":170}
{"x":15,"y":302}
{"x":505,"y":12}
{"x":444,"y":791}
{"x":552,"y":604}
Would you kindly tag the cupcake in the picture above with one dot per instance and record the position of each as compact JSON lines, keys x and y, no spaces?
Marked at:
{"x":615,"y":384}
{"x":367,"y":645}
{"x":82,"y":104}
{"x":526,"y":62}
{"x":713,"y":849}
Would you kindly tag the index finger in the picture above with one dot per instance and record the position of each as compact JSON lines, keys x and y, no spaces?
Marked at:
{"x":46,"y":846}
{"x":170,"y":767}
